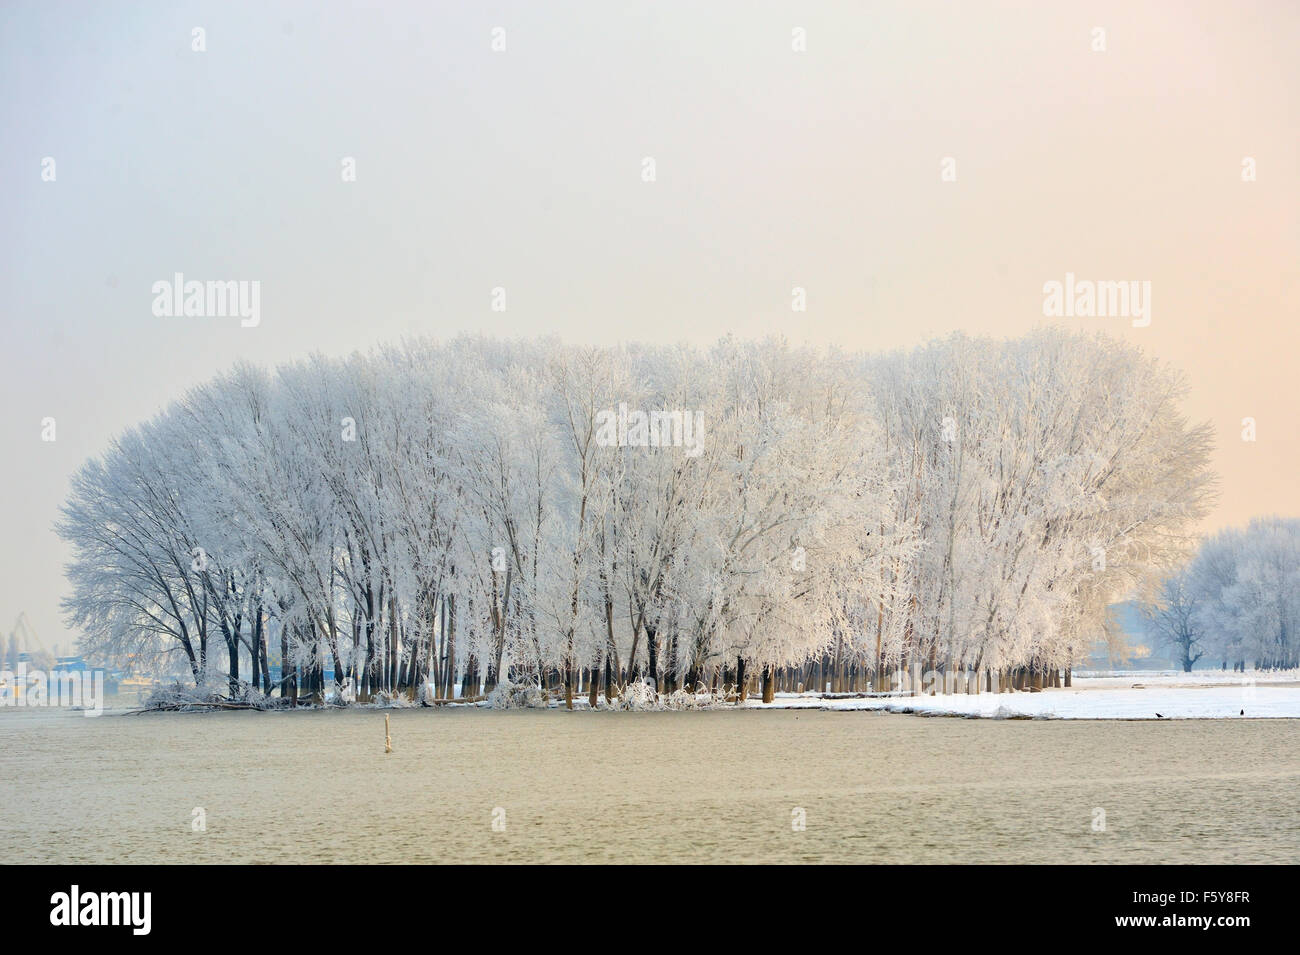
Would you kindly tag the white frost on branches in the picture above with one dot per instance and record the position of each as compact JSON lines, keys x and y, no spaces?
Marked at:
{"x":445,"y":512}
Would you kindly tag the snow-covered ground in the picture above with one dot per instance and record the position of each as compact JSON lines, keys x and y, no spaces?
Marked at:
{"x":1122,"y":696}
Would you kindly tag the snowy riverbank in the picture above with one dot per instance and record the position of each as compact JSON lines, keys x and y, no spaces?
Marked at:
{"x":1133,"y":695}
{"x":1122,"y":696}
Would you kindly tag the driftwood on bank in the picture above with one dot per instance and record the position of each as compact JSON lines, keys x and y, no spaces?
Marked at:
{"x":463,"y":699}
{"x":198,"y":705}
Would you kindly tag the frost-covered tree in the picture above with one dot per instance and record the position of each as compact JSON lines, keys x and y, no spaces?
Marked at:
{"x":1246,"y":584}
{"x":1176,"y":621}
{"x":457,"y":515}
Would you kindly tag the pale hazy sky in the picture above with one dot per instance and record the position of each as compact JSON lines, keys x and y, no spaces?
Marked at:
{"x":522,"y":169}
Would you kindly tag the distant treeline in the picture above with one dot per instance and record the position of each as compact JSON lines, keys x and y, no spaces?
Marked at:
{"x":1238,"y":601}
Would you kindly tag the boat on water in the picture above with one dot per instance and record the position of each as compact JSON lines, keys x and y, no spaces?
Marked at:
{"x":64,"y":667}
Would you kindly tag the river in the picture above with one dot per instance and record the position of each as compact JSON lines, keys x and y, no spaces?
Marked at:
{"x":467,"y":785}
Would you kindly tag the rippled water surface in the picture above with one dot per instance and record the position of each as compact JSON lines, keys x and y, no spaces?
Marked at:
{"x":643,"y":787}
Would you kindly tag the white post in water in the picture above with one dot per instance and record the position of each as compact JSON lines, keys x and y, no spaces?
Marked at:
{"x":388,"y":739}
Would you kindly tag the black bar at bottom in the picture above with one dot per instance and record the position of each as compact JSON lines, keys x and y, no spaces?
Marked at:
{"x":237,"y":905}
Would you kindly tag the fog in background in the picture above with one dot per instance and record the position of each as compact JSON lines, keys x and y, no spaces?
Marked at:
{"x":522,"y":169}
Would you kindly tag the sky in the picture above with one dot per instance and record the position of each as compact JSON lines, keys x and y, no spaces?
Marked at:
{"x":917,"y":168}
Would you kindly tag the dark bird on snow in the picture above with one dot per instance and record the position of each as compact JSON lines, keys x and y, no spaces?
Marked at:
{"x":1159,"y":717}
{"x":1243,"y":712}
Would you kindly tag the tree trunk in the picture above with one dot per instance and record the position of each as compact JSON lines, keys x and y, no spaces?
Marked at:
{"x":254,"y":646}
{"x":284,"y":661}
{"x":449,"y":665}
{"x":611,"y":649}
{"x":652,"y":650}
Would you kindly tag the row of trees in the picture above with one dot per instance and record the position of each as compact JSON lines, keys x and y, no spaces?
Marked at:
{"x":1237,"y":601}
{"x":458,"y":514}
